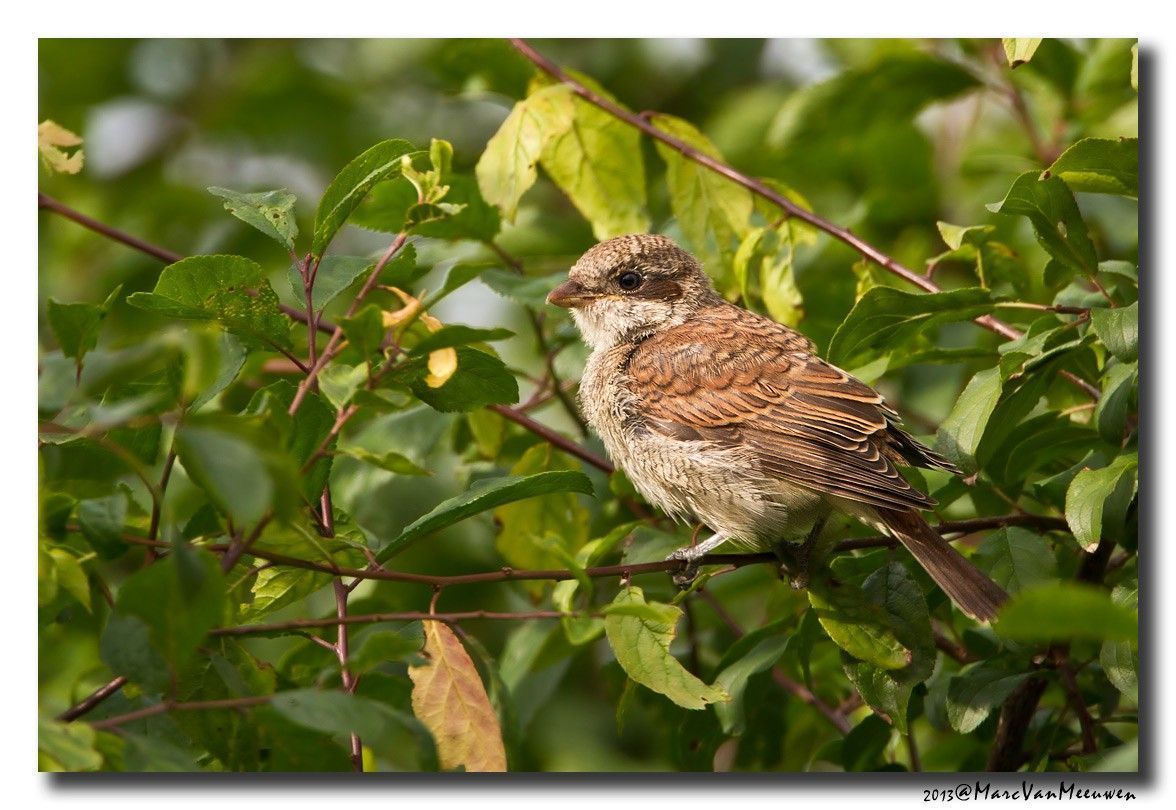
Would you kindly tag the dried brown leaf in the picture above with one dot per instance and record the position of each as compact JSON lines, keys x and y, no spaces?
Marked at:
{"x":449,"y":698}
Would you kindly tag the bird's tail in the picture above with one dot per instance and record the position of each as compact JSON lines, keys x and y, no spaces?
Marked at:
{"x":974,"y":593}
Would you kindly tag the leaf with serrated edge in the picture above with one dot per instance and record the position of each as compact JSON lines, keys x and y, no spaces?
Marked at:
{"x":642,"y":648}
{"x":271,"y":212}
{"x":449,"y":698}
{"x":1101,"y":166}
{"x":352,"y":184}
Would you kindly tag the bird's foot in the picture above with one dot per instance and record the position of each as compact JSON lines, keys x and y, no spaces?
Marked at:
{"x":689,"y":557}
{"x":684,"y":575}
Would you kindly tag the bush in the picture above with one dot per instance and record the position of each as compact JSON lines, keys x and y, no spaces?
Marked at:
{"x":315,"y":494}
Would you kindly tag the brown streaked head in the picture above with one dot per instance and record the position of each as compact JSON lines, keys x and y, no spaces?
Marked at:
{"x":631,"y":285}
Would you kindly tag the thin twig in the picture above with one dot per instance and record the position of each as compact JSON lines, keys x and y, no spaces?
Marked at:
{"x":174,"y":706}
{"x":50,"y":204}
{"x":330,"y":349}
{"x":508,"y":574}
{"x":398,"y":616}
{"x":341,"y":651}
{"x":93,"y":699}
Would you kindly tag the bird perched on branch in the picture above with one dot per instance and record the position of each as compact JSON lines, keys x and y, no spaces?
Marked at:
{"x":722,"y":415}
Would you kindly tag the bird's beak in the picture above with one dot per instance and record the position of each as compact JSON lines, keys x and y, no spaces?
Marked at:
{"x":570,"y":294}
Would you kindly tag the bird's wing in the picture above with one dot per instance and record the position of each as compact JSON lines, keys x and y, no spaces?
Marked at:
{"x":738,"y":379}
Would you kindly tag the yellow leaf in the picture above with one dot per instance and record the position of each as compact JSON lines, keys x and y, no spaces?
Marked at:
{"x":448,"y":697}
{"x":51,"y":136}
{"x":442,"y":364}
{"x":411,"y":307}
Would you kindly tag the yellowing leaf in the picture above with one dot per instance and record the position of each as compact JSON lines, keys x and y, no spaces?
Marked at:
{"x":442,"y":365}
{"x":411,"y":307}
{"x":51,"y":136}
{"x":449,"y":698}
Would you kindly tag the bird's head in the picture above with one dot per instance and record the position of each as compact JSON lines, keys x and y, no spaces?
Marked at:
{"x":632,"y":286}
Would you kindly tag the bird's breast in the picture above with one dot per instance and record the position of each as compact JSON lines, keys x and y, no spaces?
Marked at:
{"x":720,"y":486}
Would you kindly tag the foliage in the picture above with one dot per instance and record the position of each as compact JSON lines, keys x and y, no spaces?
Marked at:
{"x":295,"y":483}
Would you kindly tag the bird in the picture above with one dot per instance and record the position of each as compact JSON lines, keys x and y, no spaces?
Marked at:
{"x":725,"y":417}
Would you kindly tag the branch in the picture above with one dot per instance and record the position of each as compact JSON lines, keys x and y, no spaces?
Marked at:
{"x":330,"y":349}
{"x":398,"y":616}
{"x":508,"y":574}
{"x":93,"y":699}
{"x":553,"y":438}
{"x":50,"y":204}
{"x":174,"y":706}
{"x":765,"y":191}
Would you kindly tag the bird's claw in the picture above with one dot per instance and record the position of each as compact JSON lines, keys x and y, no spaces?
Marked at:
{"x":684,"y":575}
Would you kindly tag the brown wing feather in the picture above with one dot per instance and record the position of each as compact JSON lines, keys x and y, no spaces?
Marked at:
{"x":738,"y":379}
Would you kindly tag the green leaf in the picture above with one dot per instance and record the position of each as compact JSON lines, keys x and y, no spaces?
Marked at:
{"x":895,"y":592}
{"x":766,"y":256}
{"x":1019,"y":51}
{"x":457,"y":335}
{"x":976,"y":690}
{"x":960,"y":433}
{"x":302,"y":435}
{"x":885,"y":317}
{"x":69,"y":746}
{"x":1047,"y":202}
{"x":71,"y":576}
{"x":76,"y":326}
{"x":482,"y":496}
{"x":390,"y":460}
{"x":156,"y":755}
{"x":845,"y":106}
{"x":642,"y":648}
{"x":481,"y":379}
{"x":388,"y":205}
{"x":529,"y":290}
{"x":179,"y":598}
{"x":379,"y":647}
{"x":1120,"y":659}
{"x":279,"y":586}
{"x":339,"y":382}
{"x":857,"y":625}
{"x":713,"y":212}
{"x":1093,"y":491}
{"x":542,"y":532}
{"x":365,"y":330}
{"x":225,"y":363}
{"x":334,"y":275}
{"x":1016,"y":558}
{"x":339,"y":713}
{"x":1065,"y":611}
{"x":506,"y":168}
{"x":241,"y":477}
{"x":1118,"y":389}
{"x":864,"y":745}
{"x":271,"y":212}
{"x":230,"y":289}
{"x":1118,"y":329}
{"x":756,"y":652}
{"x":352,"y":184}
{"x":102,"y":521}
{"x":595,"y":158}
{"x":1101,"y":166}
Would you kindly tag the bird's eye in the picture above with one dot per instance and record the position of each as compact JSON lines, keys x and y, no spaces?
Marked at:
{"x":629,"y":280}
